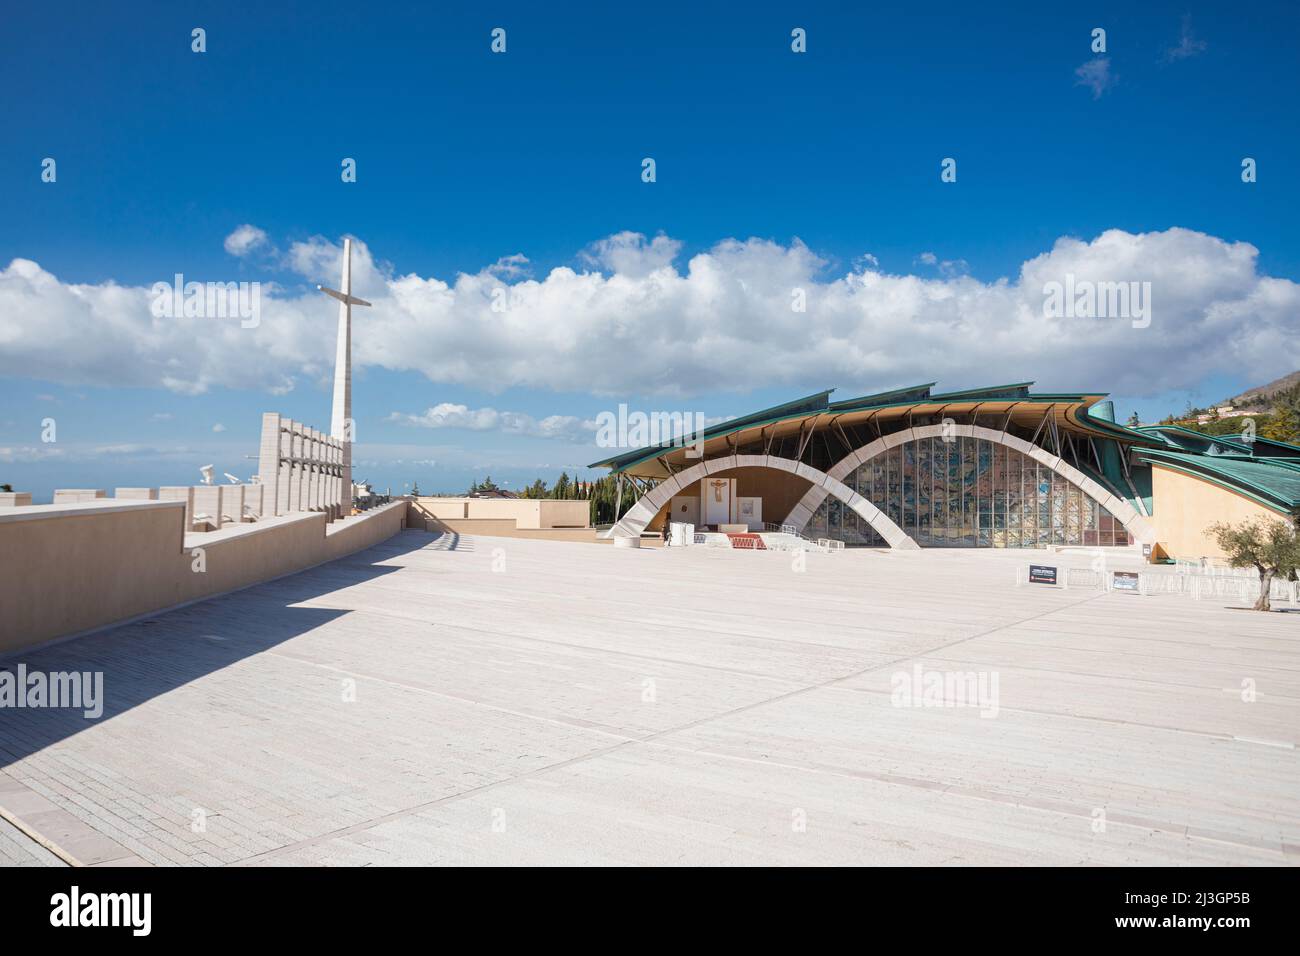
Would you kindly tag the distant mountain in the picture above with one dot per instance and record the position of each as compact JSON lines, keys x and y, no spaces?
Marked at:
{"x":1273,"y":410}
{"x":1260,"y":394}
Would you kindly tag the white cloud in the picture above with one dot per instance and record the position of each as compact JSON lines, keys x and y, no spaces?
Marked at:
{"x":26,"y":454}
{"x":947,"y":267}
{"x":218,"y":427}
{"x":510,"y":267}
{"x":78,"y":453}
{"x":1188,"y":46}
{"x":721,"y":321}
{"x":1096,"y":75}
{"x":244,"y":240}
{"x":448,"y":415}
{"x":564,"y":427}
{"x":628,"y":254}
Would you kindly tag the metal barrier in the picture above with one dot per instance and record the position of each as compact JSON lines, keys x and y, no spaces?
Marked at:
{"x":822,"y":545}
{"x":1198,"y":587}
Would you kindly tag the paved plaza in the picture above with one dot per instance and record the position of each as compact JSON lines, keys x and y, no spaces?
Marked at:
{"x":445,"y":700}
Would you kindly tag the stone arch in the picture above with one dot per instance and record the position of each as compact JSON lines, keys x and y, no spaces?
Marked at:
{"x":641,"y":513}
{"x":1138,"y":527}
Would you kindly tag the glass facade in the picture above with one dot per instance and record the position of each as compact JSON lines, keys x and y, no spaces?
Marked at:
{"x":967,"y":493}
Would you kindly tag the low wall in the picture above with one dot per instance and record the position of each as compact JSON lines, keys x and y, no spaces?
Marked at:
{"x":70,"y":568}
{"x":526,"y":513}
{"x":502,"y":528}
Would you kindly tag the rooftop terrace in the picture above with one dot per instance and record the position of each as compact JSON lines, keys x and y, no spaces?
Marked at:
{"x":437,"y":699}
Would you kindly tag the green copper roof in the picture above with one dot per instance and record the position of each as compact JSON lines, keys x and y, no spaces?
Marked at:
{"x":1266,"y":447}
{"x":1272,"y":482}
{"x":812,"y":404}
{"x":1188,"y":438}
{"x":993,"y":392}
{"x":915,"y":393}
{"x":819,"y":403}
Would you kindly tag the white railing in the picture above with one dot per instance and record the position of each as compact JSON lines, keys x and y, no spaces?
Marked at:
{"x":1212,"y":587}
{"x":1084,"y":578}
{"x":1197,"y":586}
{"x":801,"y":543}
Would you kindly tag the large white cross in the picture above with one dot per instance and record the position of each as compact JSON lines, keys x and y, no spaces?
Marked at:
{"x":341,"y":421}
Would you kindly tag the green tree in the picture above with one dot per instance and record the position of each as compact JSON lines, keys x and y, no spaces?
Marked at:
{"x":1271,"y":547}
{"x":1283,"y":425}
{"x":6,"y":487}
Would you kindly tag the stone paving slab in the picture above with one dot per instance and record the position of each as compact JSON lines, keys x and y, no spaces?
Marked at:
{"x":55,"y":832}
{"x":497,"y":701}
{"x":18,"y":849}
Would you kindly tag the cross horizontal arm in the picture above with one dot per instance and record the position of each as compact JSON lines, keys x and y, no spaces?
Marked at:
{"x":342,"y":296}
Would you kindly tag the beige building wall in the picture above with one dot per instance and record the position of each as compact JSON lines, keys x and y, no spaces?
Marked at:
{"x":526,"y":513}
{"x":442,"y":507}
{"x":565,"y":514}
{"x":1185,"y":506}
{"x":71,"y":568}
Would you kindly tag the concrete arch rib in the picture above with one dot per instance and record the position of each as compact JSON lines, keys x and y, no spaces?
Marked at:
{"x":1135,"y":524}
{"x":641,"y":513}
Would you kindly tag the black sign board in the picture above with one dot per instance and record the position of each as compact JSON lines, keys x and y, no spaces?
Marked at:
{"x":1125,"y":581}
{"x":1042,"y":574}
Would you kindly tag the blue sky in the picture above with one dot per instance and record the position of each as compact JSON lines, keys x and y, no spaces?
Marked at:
{"x":465,"y":157}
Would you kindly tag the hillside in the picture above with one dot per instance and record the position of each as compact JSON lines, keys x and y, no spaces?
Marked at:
{"x":1253,"y":395}
{"x":1273,"y":410}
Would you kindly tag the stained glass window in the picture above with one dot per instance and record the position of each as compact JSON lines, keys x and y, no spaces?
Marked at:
{"x":968,"y":492}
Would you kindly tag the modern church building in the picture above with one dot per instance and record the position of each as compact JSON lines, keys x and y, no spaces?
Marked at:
{"x":999,"y":467}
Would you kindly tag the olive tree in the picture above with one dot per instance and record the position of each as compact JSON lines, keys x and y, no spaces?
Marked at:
{"x":1270,"y":547}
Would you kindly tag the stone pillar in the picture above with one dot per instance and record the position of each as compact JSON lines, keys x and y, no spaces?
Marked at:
{"x":255,"y":500}
{"x":285,"y":475}
{"x":268,"y":460}
{"x":296,"y":468}
{"x":341,"y":509}
{"x":180,"y":493}
{"x":15,"y":499}
{"x":232,"y":500}
{"x":208,"y":501}
{"x":313,"y":485}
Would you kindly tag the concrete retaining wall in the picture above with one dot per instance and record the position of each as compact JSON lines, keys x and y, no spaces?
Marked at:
{"x":70,"y":568}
